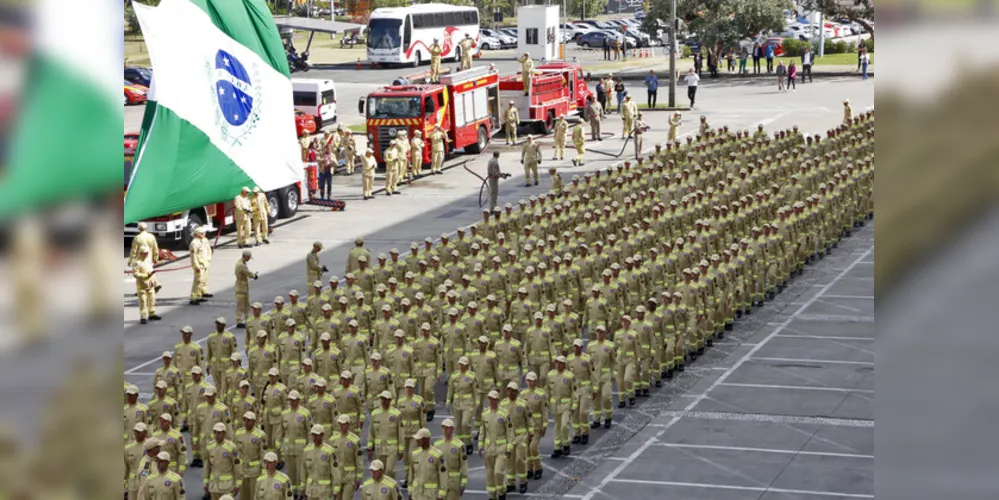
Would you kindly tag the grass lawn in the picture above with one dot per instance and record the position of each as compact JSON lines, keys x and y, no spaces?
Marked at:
{"x":848,"y":59}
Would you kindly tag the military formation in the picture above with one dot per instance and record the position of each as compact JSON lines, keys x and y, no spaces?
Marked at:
{"x":614,"y":281}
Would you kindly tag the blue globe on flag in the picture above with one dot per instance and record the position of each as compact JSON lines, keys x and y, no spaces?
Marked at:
{"x":233,"y":88}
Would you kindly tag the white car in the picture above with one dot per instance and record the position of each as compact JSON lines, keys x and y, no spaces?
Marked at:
{"x":487,"y":42}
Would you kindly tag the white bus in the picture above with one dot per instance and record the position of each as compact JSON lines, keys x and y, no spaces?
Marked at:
{"x":404,"y":35}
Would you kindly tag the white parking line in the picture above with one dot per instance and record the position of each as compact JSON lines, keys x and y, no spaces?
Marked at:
{"x":796,"y":387}
{"x":819,"y":361}
{"x":637,"y":453}
{"x":766,"y":450}
{"x":745,"y":488}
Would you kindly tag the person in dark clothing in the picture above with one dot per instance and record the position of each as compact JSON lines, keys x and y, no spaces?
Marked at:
{"x":757,"y":54}
{"x":607,"y":49}
{"x":601,"y":94}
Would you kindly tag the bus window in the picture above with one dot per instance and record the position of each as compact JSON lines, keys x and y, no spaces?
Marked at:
{"x":407,"y":36}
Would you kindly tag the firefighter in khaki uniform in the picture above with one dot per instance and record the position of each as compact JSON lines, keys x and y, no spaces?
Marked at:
{"x":496,"y":439}
{"x":242,"y":207}
{"x":511,"y":119}
{"x":261,"y":211}
{"x":347,"y":448}
{"x":164,"y":484}
{"x":221,"y":464}
{"x":453,"y":455}
{"x":437,"y":140}
{"x":462,"y":399}
{"x":427,"y":469}
{"x":295,"y":424}
{"x":561,"y":127}
{"x":379,"y":486}
{"x":561,"y":392}
{"x":629,"y":351}
{"x":520,"y":417}
{"x":603,"y":356}
{"x":581,"y":366}
{"x":537,"y":404}
{"x":319,"y":470}
{"x":252,"y":444}
{"x":385,"y":438}
{"x":530,"y":156}
{"x":413,"y":411}
{"x":273,"y":484}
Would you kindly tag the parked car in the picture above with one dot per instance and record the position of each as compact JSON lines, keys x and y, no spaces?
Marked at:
{"x":797,"y":32}
{"x":135,"y":94}
{"x":139,"y":75}
{"x":505,"y":40}
{"x":487,"y":42}
{"x":305,"y":124}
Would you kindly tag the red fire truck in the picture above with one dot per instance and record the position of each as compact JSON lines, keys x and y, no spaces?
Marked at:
{"x":465,"y":104}
{"x":572,"y":77}
{"x":547,"y":98}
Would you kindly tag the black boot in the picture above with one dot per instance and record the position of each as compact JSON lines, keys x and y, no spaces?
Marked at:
{"x":575,"y":440}
{"x":585,"y":439}
{"x":595,"y":424}
{"x":607,"y":423}
{"x":566,"y":450}
{"x":557,"y":453}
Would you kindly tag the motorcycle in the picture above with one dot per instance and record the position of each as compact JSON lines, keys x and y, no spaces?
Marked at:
{"x":298,"y":62}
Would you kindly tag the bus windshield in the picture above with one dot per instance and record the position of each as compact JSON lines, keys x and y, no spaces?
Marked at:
{"x":394,"y":107}
{"x":384,"y":33}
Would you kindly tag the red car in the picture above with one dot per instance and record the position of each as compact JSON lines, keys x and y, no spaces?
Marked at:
{"x":135,"y":94}
{"x":305,"y":124}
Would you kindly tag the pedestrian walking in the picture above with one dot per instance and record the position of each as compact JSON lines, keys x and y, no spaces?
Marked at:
{"x":757,"y":53}
{"x":692,"y":80}
{"x":806,"y":65}
{"x":781,"y":73}
{"x":792,"y":73}
{"x":652,"y":85}
{"x":770,"y":57}
{"x":865,"y":61}
{"x":619,"y":90}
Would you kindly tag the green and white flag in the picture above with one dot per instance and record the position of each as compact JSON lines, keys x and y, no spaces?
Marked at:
{"x":222,"y":116}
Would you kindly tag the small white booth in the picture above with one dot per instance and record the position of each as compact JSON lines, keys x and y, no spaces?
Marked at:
{"x":537,"y":31}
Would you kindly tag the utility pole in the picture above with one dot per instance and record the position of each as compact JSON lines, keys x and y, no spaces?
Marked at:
{"x":673,"y":25}
{"x":822,"y":34}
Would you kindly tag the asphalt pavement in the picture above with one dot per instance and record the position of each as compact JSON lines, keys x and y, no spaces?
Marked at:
{"x":442,"y":203}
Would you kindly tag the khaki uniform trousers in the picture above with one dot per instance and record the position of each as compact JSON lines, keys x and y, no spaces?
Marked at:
{"x":495,"y":472}
{"x":582,"y":401}
{"x":627,"y":371}
{"x":516,"y":471}
{"x":260,"y":226}
{"x":436,"y":160}
{"x":531,"y":169}
{"x":511,"y":132}
{"x":242,"y":306}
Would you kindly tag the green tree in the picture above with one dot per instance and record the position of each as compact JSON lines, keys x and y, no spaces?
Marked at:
{"x":719,"y":24}
{"x":583,"y":9}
